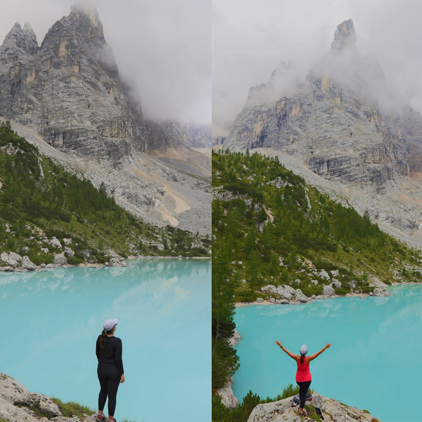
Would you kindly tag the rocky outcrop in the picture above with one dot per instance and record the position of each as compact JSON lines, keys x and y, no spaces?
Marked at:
{"x":17,"y":404}
{"x":282,"y":410}
{"x":227,"y":397}
{"x":342,"y":122}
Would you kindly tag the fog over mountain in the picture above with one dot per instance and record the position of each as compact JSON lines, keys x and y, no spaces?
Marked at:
{"x":251,"y":38}
{"x":162,"y":48}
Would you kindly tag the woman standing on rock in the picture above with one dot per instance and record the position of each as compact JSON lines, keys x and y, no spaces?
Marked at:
{"x":303,"y":375}
{"x":110,"y":368}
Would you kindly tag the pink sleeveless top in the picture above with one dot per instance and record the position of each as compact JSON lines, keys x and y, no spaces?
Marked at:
{"x":303,"y":374}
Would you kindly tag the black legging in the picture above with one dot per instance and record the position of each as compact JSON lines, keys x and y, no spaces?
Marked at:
{"x":109,"y":380}
{"x":304,"y":386}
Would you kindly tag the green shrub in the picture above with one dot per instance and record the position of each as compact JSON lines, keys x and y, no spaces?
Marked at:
{"x":75,"y":260}
{"x":245,"y":296}
{"x":289,"y":391}
{"x":367,"y":289}
{"x":42,"y":258}
{"x":102,"y":259}
{"x":342,"y":291}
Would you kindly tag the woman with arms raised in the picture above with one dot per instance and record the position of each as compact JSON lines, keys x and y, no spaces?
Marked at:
{"x":303,"y":375}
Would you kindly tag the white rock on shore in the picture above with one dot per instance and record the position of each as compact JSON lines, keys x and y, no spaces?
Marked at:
{"x":233,"y":339}
{"x":28,"y":264}
{"x":332,"y":410}
{"x":60,"y":259}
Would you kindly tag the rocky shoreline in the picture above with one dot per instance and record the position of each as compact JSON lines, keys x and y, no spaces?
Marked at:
{"x":287,"y":295}
{"x":18,"y":264}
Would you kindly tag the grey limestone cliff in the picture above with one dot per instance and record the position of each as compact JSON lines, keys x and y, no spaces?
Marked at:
{"x":344,"y":125}
{"x":68,"y":90}
{"x":67,"y":94}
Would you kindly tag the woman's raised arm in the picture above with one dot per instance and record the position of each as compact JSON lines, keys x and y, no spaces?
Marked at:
{"x":292,"y":355}
{"x":315,"y":355}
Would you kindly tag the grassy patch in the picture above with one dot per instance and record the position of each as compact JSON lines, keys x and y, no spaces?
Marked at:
{"x":72,"y":408}
{"x":311,"y":413}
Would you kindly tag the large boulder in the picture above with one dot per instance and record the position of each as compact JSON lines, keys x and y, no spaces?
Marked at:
{"x":118,"y":262}
{"x":336,"y":284}
{"x":269,"y":288}
{"x":15,"y":256}
{"x":43,"y":403}
{"x":328,"y":290}
{"x":381,"y":291}
{"x":68,"y":252}
{"x":323,"y":274}
{"x":286,"y":291}
{"x":28,"y":264}
{"x":5,"y":257}
{"x":60,"y":259}
{"x":55,"y":243}
{"x":300,"y":297}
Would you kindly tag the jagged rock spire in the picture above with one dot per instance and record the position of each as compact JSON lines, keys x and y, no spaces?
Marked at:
{"x":19,"y":43}
{"x":87,"y":20}
{"x":344,"y":37}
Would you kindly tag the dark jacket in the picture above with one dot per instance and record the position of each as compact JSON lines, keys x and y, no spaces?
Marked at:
{"x":111,"y":355}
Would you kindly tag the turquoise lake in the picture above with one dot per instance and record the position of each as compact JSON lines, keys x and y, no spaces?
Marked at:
{"x":51,"y":320}
{"x":374,"y":362}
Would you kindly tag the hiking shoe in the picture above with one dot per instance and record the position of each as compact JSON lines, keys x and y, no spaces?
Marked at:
{"x":100,"y":417}
{"x":303,"y":413}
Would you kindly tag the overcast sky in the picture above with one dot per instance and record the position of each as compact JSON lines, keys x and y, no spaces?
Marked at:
{"x":250,"y":37}
{"x":163,"y":46}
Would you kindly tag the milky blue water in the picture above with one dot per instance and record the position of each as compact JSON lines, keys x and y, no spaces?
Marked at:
{"x":374,"y":362}
{"x":50,"y":321}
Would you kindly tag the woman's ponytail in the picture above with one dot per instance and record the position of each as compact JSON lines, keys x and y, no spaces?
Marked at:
{"x":301,"y":358}
{"x":104,"y":337}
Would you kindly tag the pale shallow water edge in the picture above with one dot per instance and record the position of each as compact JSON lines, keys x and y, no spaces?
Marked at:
{"x":373,"y":363}
{"x":164,"y":311}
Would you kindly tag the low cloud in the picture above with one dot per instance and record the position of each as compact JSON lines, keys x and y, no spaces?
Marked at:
{"x":251,"y":38}
{"x":162,"y":48}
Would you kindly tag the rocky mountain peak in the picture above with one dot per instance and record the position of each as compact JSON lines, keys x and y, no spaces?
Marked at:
{"x":344,"y":37}
{"x":87,"y":21}
{"x":19,"y":43}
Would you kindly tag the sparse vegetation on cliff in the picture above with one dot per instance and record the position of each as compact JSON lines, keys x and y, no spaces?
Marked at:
{"x":40,"y":199}
{"x":275,"y":228}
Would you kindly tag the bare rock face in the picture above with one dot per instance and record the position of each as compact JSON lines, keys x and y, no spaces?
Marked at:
{"x":69,"y":90}
{"x":342,"y":122}
{"x":344,"y":37}
{"x":19,"y":44}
